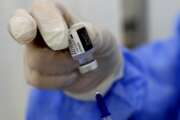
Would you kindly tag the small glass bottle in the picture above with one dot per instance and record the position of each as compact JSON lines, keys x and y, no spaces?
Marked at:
{"x":81,"y":48}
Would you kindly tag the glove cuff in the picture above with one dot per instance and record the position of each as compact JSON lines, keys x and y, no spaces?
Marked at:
{"x":116,"y":75}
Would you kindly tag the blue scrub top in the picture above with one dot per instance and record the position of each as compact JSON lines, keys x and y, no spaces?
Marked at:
{"x":149,"y":90}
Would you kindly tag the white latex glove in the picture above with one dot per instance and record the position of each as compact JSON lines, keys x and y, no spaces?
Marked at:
{"x":48,"y":63}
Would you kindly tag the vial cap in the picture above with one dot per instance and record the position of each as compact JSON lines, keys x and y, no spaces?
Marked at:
{"x":88,"y":67}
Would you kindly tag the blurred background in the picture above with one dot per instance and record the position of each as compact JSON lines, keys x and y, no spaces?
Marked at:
{"x":133,"y":22}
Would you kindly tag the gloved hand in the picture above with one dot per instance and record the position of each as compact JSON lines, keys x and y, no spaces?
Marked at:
{"x":48,"y":63}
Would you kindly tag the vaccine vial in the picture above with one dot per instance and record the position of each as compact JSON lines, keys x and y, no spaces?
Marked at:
{"x":81,"y":48}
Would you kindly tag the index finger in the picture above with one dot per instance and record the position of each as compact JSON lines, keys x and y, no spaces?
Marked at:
{"x":51,"y":24}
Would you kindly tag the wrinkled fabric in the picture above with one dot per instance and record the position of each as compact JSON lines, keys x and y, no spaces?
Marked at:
{"x":149,"y":90}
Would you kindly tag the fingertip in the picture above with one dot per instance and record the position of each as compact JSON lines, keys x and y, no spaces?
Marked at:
{"x":22,"y":27}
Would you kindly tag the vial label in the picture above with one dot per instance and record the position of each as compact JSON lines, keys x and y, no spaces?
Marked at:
{"x":75,"y":47}
{"x":85,"y":39}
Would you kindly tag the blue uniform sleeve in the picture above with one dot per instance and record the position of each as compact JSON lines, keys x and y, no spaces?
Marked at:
{"x":162,"y":94}
{"x":161,"y":60}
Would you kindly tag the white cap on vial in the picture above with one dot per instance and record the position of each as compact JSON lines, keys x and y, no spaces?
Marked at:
{"x":88,"y":67}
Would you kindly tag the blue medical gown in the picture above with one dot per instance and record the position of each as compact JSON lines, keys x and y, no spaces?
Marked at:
{"x":149,"y":90}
